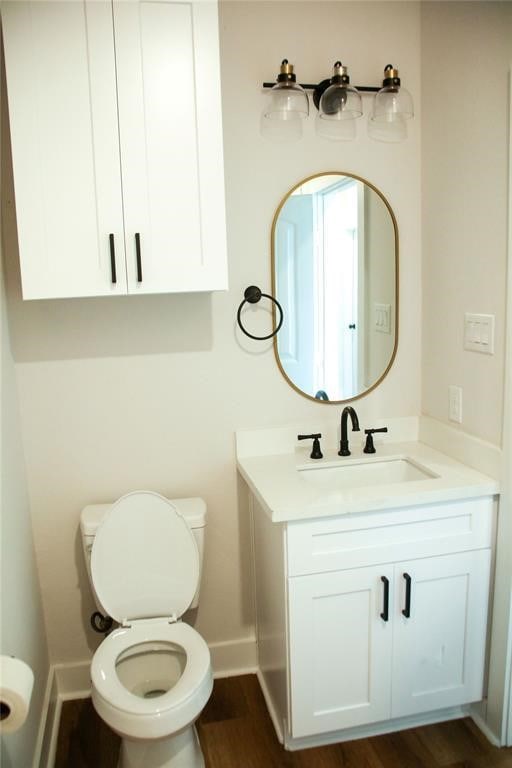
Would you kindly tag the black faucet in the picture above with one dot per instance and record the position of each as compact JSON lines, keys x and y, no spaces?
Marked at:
{"x":347,"y":411}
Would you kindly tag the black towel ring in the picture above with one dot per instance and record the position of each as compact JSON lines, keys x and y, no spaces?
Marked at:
{"x":252,"y":295}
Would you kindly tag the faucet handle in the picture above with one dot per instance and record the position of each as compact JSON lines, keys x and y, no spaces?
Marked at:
{"x":369,"y":447}
{"x":316,"y":453}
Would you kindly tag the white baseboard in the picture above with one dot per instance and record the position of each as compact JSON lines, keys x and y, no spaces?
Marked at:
{"x":234,"y":657}
{"x":270,"y":706}
{"x":482,"y":725}
{"x":54,"y":722}
{"x":65,"y":681}
{"x":73,"y":680}
{"x":44,"y":736}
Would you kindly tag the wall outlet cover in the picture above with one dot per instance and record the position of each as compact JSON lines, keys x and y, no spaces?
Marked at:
{"x":455,"y":403}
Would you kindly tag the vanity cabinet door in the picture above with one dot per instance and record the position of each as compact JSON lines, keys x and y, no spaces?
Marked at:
{"x":439,"y":650}
{"x":65,"y":147}
{"x":340,"y":649}
{"x":170,"y":123}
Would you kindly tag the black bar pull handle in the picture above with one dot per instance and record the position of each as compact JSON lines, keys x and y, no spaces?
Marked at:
{"x":139,"y":257}
{"x":407,"y":610}
{"x":112,"y":258}
{"x":385,"y":613}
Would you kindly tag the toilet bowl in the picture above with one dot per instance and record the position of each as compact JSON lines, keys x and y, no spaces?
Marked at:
{"x":151,"y":677}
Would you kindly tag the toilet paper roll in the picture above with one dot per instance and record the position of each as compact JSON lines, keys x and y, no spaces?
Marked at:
{"x":16,"y":683}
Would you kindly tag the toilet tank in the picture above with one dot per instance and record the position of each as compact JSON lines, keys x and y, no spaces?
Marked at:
{"x":193,"y":511}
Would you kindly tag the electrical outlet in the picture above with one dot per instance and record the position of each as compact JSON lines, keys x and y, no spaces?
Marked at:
{"x":455,"y":403}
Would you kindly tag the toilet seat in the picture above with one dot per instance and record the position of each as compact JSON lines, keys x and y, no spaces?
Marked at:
{"x":141,"y":717}
{"x":144,"y":560}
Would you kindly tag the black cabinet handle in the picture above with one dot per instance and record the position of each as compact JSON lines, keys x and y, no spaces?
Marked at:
{"x":112,"y":258}
{"x":407,"y":610}
{"x":139,"y":258}
{"x":385,"y":613}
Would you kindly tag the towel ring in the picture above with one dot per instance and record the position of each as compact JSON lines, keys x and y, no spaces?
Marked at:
{"x":252,"y":295}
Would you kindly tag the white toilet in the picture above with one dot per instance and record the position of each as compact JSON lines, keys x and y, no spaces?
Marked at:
{"x":151,"y":677}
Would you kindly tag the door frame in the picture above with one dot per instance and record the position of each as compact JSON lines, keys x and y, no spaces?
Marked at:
{"x":497,"y":715}
{"x":506,"y":479}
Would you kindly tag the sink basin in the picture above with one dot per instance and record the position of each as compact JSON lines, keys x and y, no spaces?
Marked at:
{"x":365,"y":473}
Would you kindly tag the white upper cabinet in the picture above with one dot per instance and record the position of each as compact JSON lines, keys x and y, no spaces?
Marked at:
{"x":116,"y":133}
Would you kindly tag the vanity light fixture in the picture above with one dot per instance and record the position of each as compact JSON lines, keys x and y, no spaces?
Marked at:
{"x":339,"y":104}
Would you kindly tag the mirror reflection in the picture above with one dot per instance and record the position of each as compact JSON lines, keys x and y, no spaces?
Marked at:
{"x":335,"y":274}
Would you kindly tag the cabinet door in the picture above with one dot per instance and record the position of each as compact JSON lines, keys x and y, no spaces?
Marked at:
{"x":62,"y":107}
{"x":439,"y":651}
{"x":340,"y":650}
{"x":171,"y":144}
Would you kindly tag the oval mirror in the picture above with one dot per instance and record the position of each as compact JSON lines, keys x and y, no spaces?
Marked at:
{"x":335,"y":274}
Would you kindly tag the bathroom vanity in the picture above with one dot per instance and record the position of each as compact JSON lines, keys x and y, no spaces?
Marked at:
{"x":372,"y":586}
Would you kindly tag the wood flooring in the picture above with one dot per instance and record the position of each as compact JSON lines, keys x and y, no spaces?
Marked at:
{"x":236,"y":732}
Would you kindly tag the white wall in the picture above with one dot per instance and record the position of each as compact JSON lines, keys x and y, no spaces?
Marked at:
{"x":466,"y":55}
{"x":118,"y":394}
{"x":22,"y":624}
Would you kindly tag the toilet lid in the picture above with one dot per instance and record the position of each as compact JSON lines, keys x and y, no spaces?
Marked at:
{"x":144,"y":560}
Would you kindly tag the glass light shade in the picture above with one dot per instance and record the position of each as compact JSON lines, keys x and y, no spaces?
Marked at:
{"x":340,"y":102}
{"x":287,"y":101}
{"x":391,"y":104}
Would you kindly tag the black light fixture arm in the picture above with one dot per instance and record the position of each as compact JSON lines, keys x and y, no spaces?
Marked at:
{"x":313,"y":87}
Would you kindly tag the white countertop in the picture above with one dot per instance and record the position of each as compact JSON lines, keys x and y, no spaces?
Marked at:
{"x":280,"y":487}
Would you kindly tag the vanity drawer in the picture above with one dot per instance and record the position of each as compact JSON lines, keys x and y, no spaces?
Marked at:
{"x":351,"y":541}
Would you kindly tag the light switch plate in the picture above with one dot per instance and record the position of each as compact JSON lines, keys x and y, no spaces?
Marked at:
{"x":479,"y":333}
